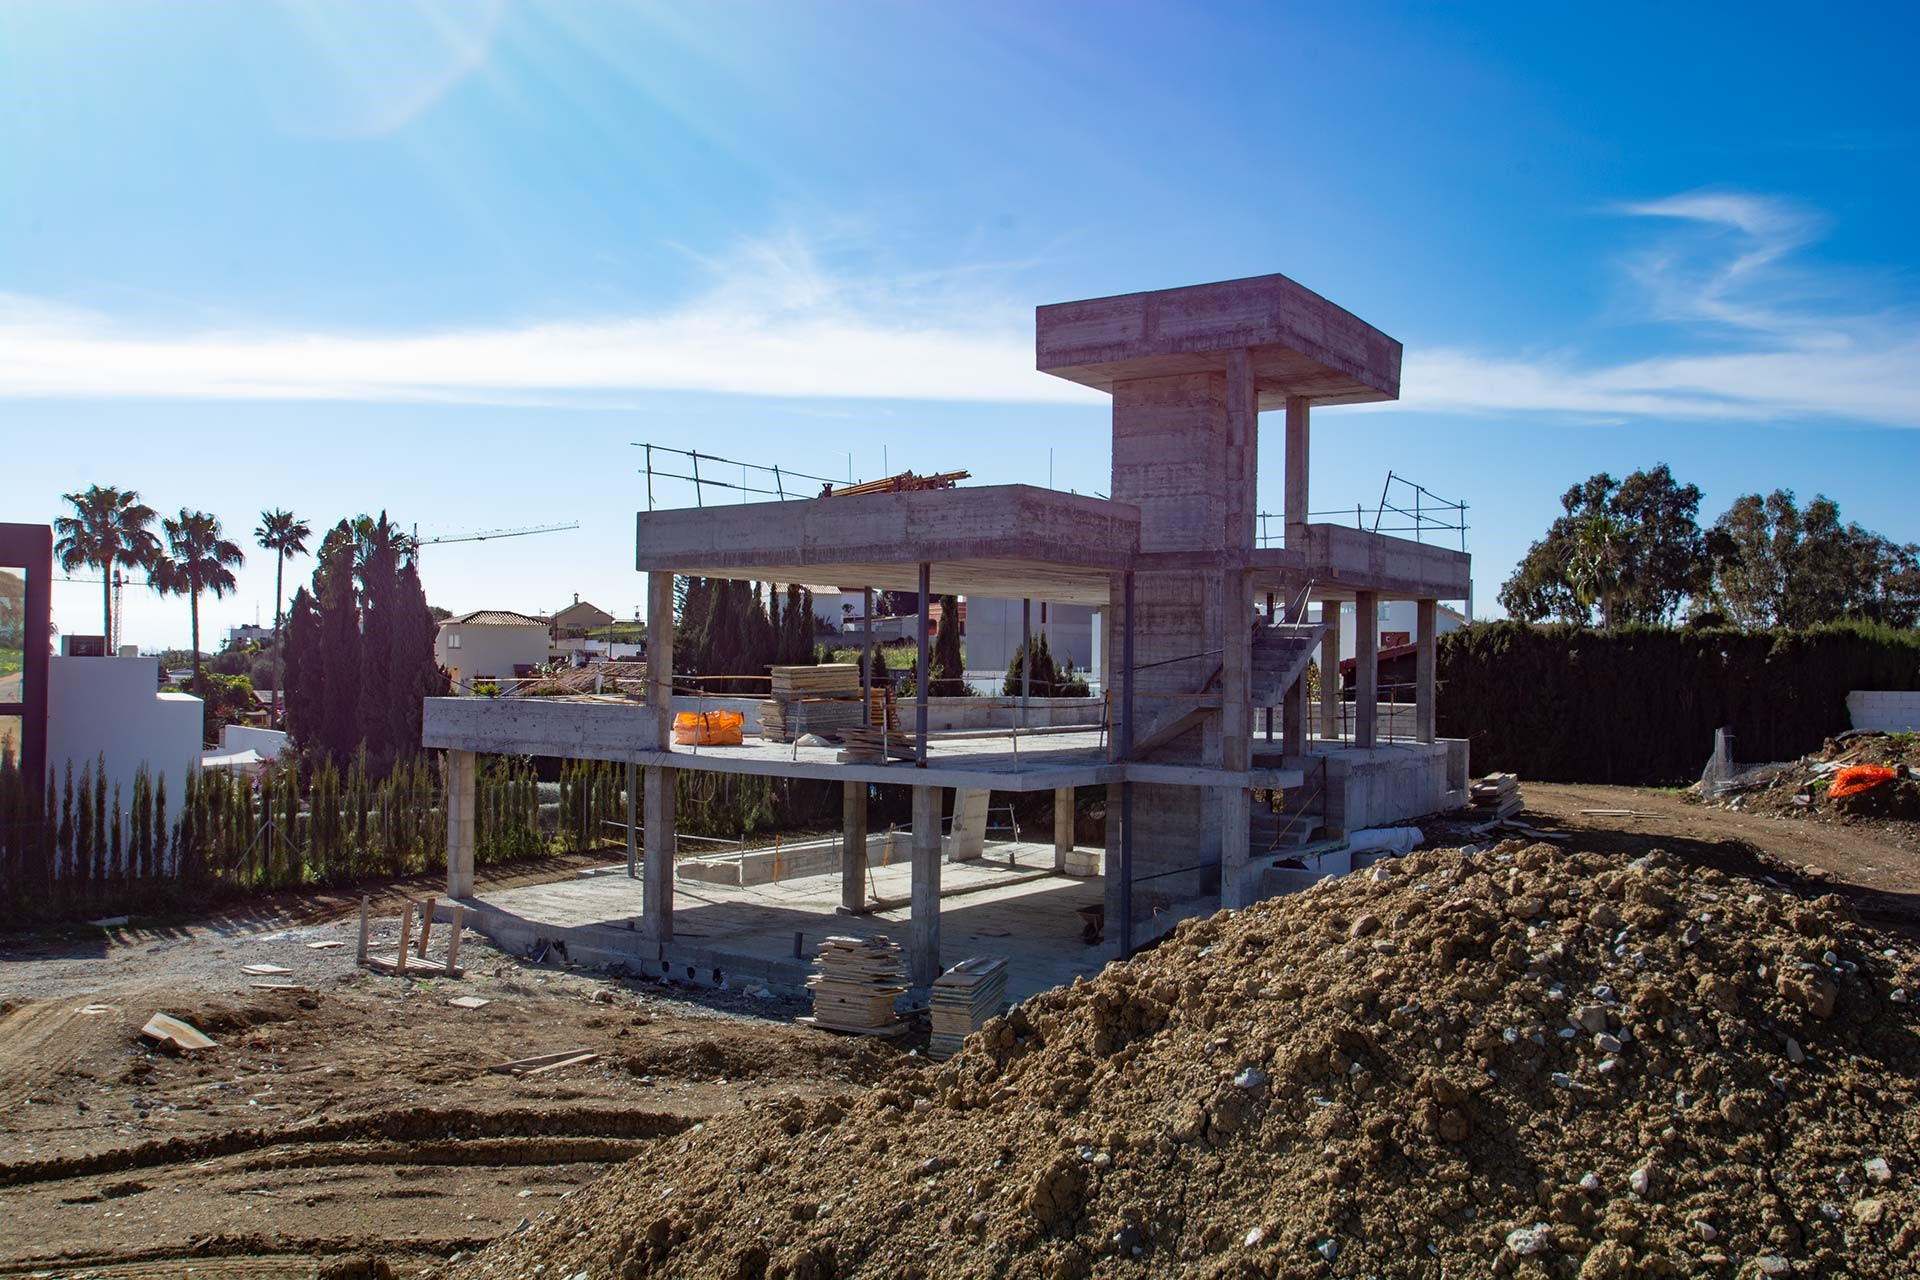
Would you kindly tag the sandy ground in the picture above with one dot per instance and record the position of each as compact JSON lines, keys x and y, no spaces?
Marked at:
{"x":352,"y":1114}
{"x":356,"y":1113}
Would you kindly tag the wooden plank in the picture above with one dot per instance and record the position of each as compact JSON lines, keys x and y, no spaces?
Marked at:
{"x":426,"y":925}
{"x":264,"y":970}
{"x":520,"y":1066}
{"x":167,"y":1029}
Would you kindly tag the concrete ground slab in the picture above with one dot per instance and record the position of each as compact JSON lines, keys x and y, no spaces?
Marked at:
{"x":745,"y":936}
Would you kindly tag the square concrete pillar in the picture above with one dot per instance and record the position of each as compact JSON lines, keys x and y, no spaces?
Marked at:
{"x":853,"y":847}
{"x":1062,"y":826}
{"x":1298,"y":409}
{"x":1425,"y":654}
{"x":633,"y":820}
{"x":923,"y":952}
{"x":462,"y":780}
{"x":1330,"y":670}
{"x":660,"y":661}
{"x":1293,"y":699}
{"x":1366,"y":668}
{"x":968,"y":841}
{"x":1236,"y":735}
{"x":656,"y":901}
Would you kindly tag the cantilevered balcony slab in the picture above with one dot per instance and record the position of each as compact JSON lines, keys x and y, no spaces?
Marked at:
{"x":996,"y":541}
{"x":1300,"y":344}
{"x":1340,"y":560}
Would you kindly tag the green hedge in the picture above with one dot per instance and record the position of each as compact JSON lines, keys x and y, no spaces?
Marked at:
{"x":1639,"y":705}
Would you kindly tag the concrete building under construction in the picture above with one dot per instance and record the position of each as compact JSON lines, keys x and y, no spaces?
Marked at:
{"x":1213,"y":760}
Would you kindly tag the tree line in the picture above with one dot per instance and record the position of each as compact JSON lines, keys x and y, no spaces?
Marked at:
{"x":1633,"y":551}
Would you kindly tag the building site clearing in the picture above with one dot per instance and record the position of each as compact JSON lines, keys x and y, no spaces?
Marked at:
{"x":1588,"y":1060}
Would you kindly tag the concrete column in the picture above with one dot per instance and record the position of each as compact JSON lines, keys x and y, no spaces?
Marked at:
{"x":1243,"y":451}
{"x":1330,"y":669}
{"x":633,"y":807}
{"x":1236,"y":732}
{"x":1293,"y":699}
{"x":1425,"y":710}
{"x":923,"y":677}
{"x":660,"y":661}
{"x":1026,"y":659}
{"x":1366,"y":667}
{"x":656,"y":901}
{"x":1297,"y":453}
{"x":923,"y":957}
{"x":462,"y":776}
{"x":1062,"y":826}
{"x":853,"y":847}
{"x":968,"y":842}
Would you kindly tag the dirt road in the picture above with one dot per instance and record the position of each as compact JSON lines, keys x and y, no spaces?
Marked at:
{"x":352,"y":1115}
{"x":1881,"y":872}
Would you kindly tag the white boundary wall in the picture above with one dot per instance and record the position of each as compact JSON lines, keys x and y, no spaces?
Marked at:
{"x":1885,"y":710}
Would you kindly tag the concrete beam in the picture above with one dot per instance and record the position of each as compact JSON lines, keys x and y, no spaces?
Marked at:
{"x":853,"y":847}
{"x":462,"y":781}
{"x":1299,"y":343}
{"x":923,"y":953}
{"x":1366,"y":668}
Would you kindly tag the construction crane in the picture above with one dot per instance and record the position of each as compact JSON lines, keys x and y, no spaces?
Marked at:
{"x":484,"y":535}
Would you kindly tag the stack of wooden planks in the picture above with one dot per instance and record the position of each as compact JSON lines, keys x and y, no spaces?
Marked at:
{"x":964,"y":997}
{"x":905,"y":482}
{"x":819,"y":699}
{"x":1495,"y":798}
{"x":866,"y":745}
{"x":854,"y":986}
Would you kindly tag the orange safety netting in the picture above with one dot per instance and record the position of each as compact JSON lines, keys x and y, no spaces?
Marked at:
{"x":1858,"y":778}
{"x":709,"y":728}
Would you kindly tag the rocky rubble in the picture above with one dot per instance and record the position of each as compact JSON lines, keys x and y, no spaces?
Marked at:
{"x":1520,"y":1062}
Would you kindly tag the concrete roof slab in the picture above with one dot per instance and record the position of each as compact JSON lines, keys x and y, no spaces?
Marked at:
{"x":1302,"y":345}
{"x":1001,"y":541}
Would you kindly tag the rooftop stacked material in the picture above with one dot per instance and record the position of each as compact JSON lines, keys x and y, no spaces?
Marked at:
{"x":811,"y":699}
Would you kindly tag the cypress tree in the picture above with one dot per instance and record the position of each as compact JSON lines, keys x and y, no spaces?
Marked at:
{"x":305,"y":674}
{"x":378,"y":687}
{"x":945,"y":661}
{"x":415,"y":674}
{"x":340,"y":644}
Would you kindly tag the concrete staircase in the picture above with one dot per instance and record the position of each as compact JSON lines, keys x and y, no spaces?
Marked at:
{"x":1278,"y":834}
{"x":1281,"y":652}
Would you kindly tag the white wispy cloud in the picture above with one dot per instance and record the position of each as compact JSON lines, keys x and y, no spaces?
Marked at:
{"x":1783,"y":341}
{"x":774,"y":322}
{"x":1756,"y":337}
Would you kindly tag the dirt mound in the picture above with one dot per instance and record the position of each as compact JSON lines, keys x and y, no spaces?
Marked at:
{"x":1522,"y":1061}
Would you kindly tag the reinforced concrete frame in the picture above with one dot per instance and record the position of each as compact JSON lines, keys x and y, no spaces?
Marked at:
{"x":1172,"y":558}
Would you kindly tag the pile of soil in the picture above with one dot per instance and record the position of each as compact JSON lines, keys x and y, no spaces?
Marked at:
{"x":1799,"y":790}
{"x":1522,"y":1061}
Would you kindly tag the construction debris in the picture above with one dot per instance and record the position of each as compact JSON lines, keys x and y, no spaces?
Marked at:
{"x":964,"y":997}
{"x":540,"y":1064}
{"x":855,"y":983}
{"x":1534,"y":1064}
{"x":165,"y":1029}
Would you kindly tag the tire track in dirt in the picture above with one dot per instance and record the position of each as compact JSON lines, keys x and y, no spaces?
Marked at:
{"x":421,"y":1129}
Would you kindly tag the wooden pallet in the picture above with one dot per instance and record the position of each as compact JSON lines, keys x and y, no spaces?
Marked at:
{"x":410,"y":958}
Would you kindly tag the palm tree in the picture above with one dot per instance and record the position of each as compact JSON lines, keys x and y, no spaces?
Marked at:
{"x":198,"y":559}
{"x":284,"y":534}
{"x":108,"y":528}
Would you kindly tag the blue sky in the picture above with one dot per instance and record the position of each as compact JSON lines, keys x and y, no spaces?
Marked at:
{"x":450,"y":259}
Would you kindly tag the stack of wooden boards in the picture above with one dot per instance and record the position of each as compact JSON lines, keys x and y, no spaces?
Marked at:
{"x":854,"y":986}
{"x":819,"y":699}
{"x":964,"y":997}
{"x":879,"y":739}
{"x":1494,"y":798}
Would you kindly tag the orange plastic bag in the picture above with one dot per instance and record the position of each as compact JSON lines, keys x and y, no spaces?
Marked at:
{"x":709,"y":728}
{"x":1858,"y":778}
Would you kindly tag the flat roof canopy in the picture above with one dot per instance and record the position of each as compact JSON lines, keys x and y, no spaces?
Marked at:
{"x":1302,"y":345}
{"x":995,"y":541}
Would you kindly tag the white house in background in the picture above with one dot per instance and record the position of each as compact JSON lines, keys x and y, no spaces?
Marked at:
{"x":1395,"y":623}
{"x":113,"y":708}
{"x":490,"y":644}
{"x":993,"y":633}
